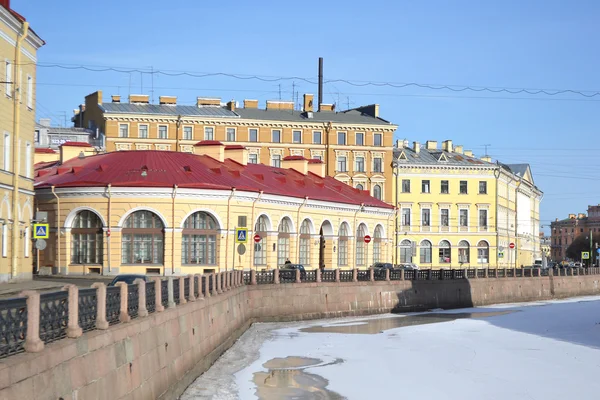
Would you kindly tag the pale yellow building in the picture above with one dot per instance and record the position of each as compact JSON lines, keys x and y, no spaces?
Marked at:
{"x":162,"y":212}
{"x":18,"y":58}
{"x":458,"y":211}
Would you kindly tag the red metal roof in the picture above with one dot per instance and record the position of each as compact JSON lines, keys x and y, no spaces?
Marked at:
{"x":76,"y":144}
{"x":315,"y":161}
{"x":40,"y":150}
{"x":166,"y":169}
{"x":234,"y":147}
{"x":209,"y":143}
{"x":293,"y":158}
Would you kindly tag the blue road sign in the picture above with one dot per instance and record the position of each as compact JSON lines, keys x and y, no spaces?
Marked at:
{"x":41,"y":231}
{"x":241,"y":235}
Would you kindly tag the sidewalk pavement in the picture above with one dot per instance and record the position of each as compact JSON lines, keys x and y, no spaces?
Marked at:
{"x":48,"y":283}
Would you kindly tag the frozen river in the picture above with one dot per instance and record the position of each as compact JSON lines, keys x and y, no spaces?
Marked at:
{"x":545,"y":350}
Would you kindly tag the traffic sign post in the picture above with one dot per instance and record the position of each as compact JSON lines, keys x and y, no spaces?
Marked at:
{"x":511,"y":245}
{"x":41,"y":231}
{"x":241,"y":235}
{"x":500,"y":254}
{"x":585,"y":255}
{"x":367,"y":239}
{"x":257,"y":238}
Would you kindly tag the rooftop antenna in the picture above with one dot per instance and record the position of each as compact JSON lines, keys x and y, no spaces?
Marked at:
{"x":486,"y":146}
{"x":320,"y":83}
{"x":152,"y":82}
{"x":348,"y":102}
{"x":279,"y":91}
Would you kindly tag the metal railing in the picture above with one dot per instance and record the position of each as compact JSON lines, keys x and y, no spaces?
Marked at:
{"x":133,"y":300}
{"x":13,"y":326}
{"x":329,"y":276}
{"x":345,"y":276}
{"x":113,"y":304}
{"x":54,"y":315}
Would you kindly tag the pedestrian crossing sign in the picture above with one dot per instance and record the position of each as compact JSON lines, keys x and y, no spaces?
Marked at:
{"x":241,"y":235}
{"x":41,"y":231}
{"x":585,"y":255}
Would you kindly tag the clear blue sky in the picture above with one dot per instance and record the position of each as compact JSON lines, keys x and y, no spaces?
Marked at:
{"x":519,"y":44}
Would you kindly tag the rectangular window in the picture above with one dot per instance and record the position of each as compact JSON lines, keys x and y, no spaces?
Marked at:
{"x":483,"y":220}
{"x":464,"y":218}
{"x":188,"y":133}
{"x":426,"y":217}
{"x":8,"y":76}
{"x":7,"y":151}
{"x":341,"y":138}
{"x":231,"y":134}
{"x":405,"y":186}
{"x":252,"y":158}
{"x":26,"y":242}
{"x":377,"y":140}
{"x":317,"y":137}
{"x":253,"y":135}
{"x":4,"y":240}
{"x":445,"y":217}
{"x":425,"y":186}
{"x":143,"y":131}
{"x":209,"y":133}
{"x":359,"y":164}
{"x":406,"y":217}
{"x":276,"y":161}
{"x":276,"y":136}
{"x":482,"y":187}
{"x":341,"y":164}
{"x":377,"y":167}
{"x":360,"y":139}
{"x":444,"y":189}
{"x":463,"y":187}
{"x":297,"y":136}
{"x":28,"y":160}
{"x":123,"y":130}
{"x":162,"y":132}
{"x":29,"y":92}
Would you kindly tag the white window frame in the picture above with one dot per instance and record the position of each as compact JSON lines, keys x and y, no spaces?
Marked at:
{"x":250,"y":135}
{"x":278,"y":158}
{"x":28,"y":160}
{"x":158,"y":131}
{"x":26,"y":242}
{"x":402,"y":220}
{"x":345,"y":138}
{"x":273,"y":132}
{"x":460,"y":226}
{"x":293,"y":136}
{"x":7,"y":146}
{"x":4,"y":240}
{"x":380,"y":140}
{"x":356,"y":166}
{"x":121,"y":125}
{"x":445,"y":228}
{"x":429,"y":222}
{"x":183,"y":132}
{"x":140,"y":131}
{"x":29,"y":92}
{"x":380,"y":187}
{"x":483,"y":228}
{"x":250,"y":156}
{"x":9,"y":77}
{"x":356,"y":137}
{"x":212,"y":129}
{"x":227,"y":134}
{"x":337,"y":163}
{"x":380,"y":165}
{"x":320,"y":137}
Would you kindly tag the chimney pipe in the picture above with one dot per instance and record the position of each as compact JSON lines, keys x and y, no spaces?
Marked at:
{"x":320,"y":82}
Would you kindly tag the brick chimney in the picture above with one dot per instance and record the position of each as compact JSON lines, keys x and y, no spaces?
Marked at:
{"x":486,"y":159}
{"x":211,"y":148}
{"x":231,"y":105}
{"x":431,"y":145}
{"x":327,"y":107}
{"x":469,"y":153}
{"x":250,"y":103}
{"x":167,"y":100}
{"x":208,"y":101}
{"x":416,"y":147}
{"x":237,"y":153}
{"x":298,"y":163}
{"x":139,"y":99}
{"x":447,"y":145}
{"x":308,"y":102}
{"x":458,"y":149}
{"x":317,"y":167}
{"x":115,"y":98}
{"x":280,"y":105}
{"x":70,"y":150}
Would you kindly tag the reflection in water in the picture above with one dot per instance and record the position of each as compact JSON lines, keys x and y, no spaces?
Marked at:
{"x":286,"y":379}
{"x":379,"y":325}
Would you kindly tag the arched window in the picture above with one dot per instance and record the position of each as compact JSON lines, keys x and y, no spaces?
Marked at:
{"x":444,"y":252}
{"x":199,"y":239}
{"x":406,"y":251}
{"x":143,"y":239}
{"x":377,"y":192}
{"x":360,"y":245}
{"x":305,"y":243}
{"x":425,"y":252}
{"x":463,"y":252}
{"x":377,"y":244}
{"x":483,"y":252}
{"x":86,"y":238}
{"x":260,"y":248}
{"x":283,"y":241}
{"x":343,"y":245}
{"x":360,"y":186}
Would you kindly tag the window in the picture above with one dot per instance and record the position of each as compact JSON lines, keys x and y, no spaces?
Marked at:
{"x":359,"y":164}
{"x":444,"y":217}
{"x":123,"y":130}
{"x":405,"y":186}
{"x":343,"y":245}
{"x":143,"y":131}
{"x":318,"y":157}
{"x":406,"y":217}
{"x":276,"y":161}
{"x":231,"y":134}
{"x":26,"y":241}
{"x":341,"y":138}
{"x":297,"y":137}
{"x":317,"y":137}
{"x":36,"y":136}
{"x":482,"y":187}
{"x":444,"y":188}
{"x":377,"y":192}
{"x":463,"y":252}
{"x":86,"y":239}
{"x":6,"y":151}
{"x":360,"y":139}
{"x":483,"y":252}
{"x":360,"y":186}
{"x":276,"y":136}
{"x":4,"y":240}
{"x":260,"y":248}
{"x":464,"y":218}
{"x":283,"y":241}
{"x":483,"y":218}
{"x":405,"y":251}
{"x":199,"y":239}
{"x":377,"y":244}
{"x":142,"y":239}
{"x":162,"y":132}
{"x":242,"y":221}
{"x":29,"y":92}
{"x":444,"y":252}
{"x":425,"y":252}
{"x":377,"y":164}
{"x":188,"y":133}
{"x":425,"y":186}
{"x":305,"y":243}
{"x":463,"y":187}
{"x":341,"y":164}
{"x":252,"y":158}
{"x":360,"y":245}
{"x":377,"y":139}
{"x":253,"y":135}
{"x":426,"y":217}
{"x":28,"y":160}
{"x":209,"y":133}
{"x":8,"y":75}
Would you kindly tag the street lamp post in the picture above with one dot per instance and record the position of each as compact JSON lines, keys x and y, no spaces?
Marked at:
{"x":396,"y":175}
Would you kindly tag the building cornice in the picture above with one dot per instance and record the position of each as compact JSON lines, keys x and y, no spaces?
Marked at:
{"x":16,"y":25}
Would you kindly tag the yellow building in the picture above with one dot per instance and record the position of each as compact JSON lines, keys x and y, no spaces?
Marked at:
{"x":458,"y":211}
{"x":177,"y":213}
{"x":355,"y":145}
{"x":18,"y":48}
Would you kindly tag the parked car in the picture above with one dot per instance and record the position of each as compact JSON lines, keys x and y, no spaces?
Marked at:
{"x":128,"y":279}
{"x":408,"y":266}
{"x":288,"y":271}
{"x":380,"y":267}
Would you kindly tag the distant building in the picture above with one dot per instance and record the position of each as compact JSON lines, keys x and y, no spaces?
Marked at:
{"x":47,"y":136}
{"x":565,"y":231}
